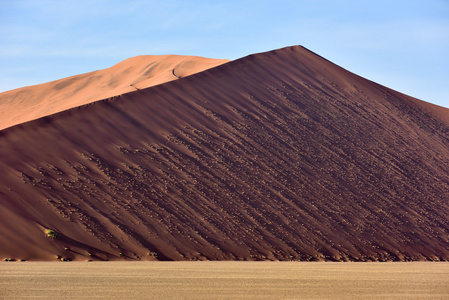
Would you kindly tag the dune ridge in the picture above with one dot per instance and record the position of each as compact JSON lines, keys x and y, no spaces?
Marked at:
{"x":33,"y":102}
{"x":276,"y":156}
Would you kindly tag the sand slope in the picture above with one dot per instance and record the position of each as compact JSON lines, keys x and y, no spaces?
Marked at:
{"x":279,"y":155}
{"x":33,"y":102}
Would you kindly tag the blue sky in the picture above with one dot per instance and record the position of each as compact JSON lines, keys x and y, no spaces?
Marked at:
{"x":401,"y":44}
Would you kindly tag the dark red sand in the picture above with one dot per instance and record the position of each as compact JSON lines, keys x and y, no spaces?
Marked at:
{"x":276,"y":156}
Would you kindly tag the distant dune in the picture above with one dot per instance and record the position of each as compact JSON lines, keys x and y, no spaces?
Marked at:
{"x":33,"y":102}
{"x":280,"y":155}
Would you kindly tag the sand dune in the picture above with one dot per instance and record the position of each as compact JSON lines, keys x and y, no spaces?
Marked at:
{"x":276,"y":156}
{"x":33,"y":102}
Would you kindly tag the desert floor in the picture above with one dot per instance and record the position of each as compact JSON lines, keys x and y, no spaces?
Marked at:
{"x":223,"y":280}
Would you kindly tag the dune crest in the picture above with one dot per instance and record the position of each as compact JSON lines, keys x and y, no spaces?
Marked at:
{"x":280,"y":155}
{"x":33,"y":102}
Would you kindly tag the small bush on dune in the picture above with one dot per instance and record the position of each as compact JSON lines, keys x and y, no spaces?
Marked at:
{"x":50,"y":233}
{"x":153,"y":254}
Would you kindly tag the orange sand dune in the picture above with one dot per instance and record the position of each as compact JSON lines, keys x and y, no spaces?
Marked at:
{"x":33,"y":102}
{"x":276,"y":156}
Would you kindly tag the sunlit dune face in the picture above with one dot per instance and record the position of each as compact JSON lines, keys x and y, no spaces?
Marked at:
{"x":34,"y":102}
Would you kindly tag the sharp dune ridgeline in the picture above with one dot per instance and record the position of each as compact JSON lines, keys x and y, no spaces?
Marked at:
{"x":34,"y":102}
{"x":280,"y":155}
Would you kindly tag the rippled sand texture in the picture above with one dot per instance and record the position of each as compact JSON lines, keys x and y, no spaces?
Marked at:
{"x":280,"y":155}
{"x":224,"y":280}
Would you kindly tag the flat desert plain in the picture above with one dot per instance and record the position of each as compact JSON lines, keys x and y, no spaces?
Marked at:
{"x":224,"y":280}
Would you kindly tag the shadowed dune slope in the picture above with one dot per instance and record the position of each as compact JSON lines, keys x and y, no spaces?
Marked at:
{"x":279,"y":155}
{"x":33,"y":102}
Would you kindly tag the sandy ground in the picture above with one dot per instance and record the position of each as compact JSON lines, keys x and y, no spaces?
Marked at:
{"x":224,"y":280}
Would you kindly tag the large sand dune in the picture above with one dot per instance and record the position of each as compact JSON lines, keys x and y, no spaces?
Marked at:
{"x":33,"y":102}
{"x":279,"y":155}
